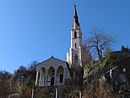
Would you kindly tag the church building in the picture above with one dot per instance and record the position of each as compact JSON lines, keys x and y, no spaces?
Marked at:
{"x":53,"y":71}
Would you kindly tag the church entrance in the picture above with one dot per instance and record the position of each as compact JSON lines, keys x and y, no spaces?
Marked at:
{"x":52,"y":81}
{"x":51,"y":76}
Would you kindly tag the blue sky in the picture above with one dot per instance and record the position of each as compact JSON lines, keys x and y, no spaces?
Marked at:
{"x":37,"y":29}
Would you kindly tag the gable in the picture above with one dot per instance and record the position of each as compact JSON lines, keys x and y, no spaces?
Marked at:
{"x":51,"y":62}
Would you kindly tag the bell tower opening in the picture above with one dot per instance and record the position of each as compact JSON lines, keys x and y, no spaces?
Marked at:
{"x":75,"y":34}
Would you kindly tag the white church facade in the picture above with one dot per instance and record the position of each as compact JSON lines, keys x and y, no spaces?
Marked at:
{"x":53,"y":71}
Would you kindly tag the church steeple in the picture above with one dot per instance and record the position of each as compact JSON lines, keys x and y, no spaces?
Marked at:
{"x":76,"y":21}
{"x":74,"y":57}
{"x":75,"y":16}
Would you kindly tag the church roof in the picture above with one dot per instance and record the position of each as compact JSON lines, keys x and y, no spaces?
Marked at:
{"x":52,"y":58}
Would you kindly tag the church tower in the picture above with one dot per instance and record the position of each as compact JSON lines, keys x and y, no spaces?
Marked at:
{"x":74,"y":57}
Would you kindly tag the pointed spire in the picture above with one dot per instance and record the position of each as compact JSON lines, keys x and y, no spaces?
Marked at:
{"x":75,"y":16}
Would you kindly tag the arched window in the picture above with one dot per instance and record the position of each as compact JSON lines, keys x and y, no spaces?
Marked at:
{"x":75,"y":34}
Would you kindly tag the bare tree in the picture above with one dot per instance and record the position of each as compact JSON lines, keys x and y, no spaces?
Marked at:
{"x":86,"y":55}
{"x":99,"y":42}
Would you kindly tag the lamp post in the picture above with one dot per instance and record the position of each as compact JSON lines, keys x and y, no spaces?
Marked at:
{"x":80,"y":94}
{"x":56,"y":92}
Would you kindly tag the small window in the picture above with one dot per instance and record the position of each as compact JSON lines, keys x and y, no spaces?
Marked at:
{"x":75,"y":34}
{"x":61,"y":78}
{"x":75,"y":46}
